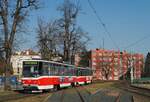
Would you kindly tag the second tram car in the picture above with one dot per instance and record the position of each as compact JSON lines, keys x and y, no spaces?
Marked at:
{"x":44,"y":75}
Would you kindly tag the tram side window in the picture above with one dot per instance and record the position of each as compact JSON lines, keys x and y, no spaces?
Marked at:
{"x":83,"y":72}
{"x":40,"y":68}
{"x":58,"y":69}
{"x":54,"y":70}
{"x":61,"y":70}
{"x":50,"y":69}
{"x":87,"y":72}
{"x":45,"y":69}
{"x":79,"y":72}
{"x":65,"y":71}
{"x":68,"y":71}
{"x":72,"y":71}
{"x":76,"y":72}
{"x":91,"y":72}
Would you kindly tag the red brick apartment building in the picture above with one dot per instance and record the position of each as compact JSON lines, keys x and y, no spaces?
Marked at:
{"x":112,"y":65}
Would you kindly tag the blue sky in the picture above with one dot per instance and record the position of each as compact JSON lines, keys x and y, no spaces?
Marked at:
{"x":127,"y":21}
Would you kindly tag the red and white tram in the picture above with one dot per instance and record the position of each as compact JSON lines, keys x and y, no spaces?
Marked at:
{"x":45,"y":75}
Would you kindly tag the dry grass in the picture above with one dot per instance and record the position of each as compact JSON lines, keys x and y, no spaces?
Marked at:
{"x":98,"y":86}
{"x":4,"y":93}
{"x":38,"y":98}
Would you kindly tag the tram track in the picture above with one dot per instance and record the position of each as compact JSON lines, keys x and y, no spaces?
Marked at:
{"x":137,"y":91}
{"x":82,"y":94}
{"x":77,"y":94}
{"x":133,"y":89}
{"x":62,"y":96}
{"x":82,"y":99}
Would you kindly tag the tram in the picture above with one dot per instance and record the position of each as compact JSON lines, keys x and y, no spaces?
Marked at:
{"x":45,"y":75}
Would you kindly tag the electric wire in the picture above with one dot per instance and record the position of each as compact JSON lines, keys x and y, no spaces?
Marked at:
{"x":101,"y":23}
{"x":136,"y":42}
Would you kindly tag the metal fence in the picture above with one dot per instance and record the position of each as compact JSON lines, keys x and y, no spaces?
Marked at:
{"x":15,"y":84}
{"x":142,"y":80}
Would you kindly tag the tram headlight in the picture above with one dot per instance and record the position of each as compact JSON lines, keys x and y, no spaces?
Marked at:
{"x":23,"y":82}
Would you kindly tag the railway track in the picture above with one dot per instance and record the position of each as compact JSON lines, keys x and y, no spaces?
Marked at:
{"x":140,"y":88}
{"x":133,"y":89}
{"x":81,"y":94}
{"x":137,"y":91}
{"x":76,"y":94}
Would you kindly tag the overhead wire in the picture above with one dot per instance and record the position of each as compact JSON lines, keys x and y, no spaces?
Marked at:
{"x":101,"y":23}
{"x":136,"y":42}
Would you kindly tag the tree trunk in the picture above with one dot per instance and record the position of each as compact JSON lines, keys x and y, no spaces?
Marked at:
{"x":66,"y":52}
{"x":72,"y":59}
{"x":7,"y":85}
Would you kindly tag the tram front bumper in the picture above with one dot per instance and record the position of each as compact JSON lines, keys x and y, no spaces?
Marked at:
{"x":30,"y":87}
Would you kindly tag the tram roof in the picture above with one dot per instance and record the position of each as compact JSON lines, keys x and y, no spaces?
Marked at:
{"x":55,"y":63}
{"x":47,"y":61}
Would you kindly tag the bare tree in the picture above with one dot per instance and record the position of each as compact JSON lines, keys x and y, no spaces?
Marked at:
{"x":106,"y":70}
{"x":13,"y":13}
{"x":79,"y":40}
{"x":1,"y":56}
{"x":48,"y":39}
{"x":72,"y":35}
{"x":103,"y":66}
{"x":1,"y":48}
{"x":85,"y":59}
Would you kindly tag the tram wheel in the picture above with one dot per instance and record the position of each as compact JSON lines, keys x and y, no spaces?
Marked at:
{"x":73,"y":84}
{"x":85,"y":83}
{"x":55,"y":88}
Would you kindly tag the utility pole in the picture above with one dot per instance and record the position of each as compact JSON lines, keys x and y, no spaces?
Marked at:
{"x":131,"y":72}
{"x":102,"y":56}
{"x":103,"y":43}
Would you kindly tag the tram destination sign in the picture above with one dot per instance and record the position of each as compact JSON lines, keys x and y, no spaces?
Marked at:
{"x":30,"y":63}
